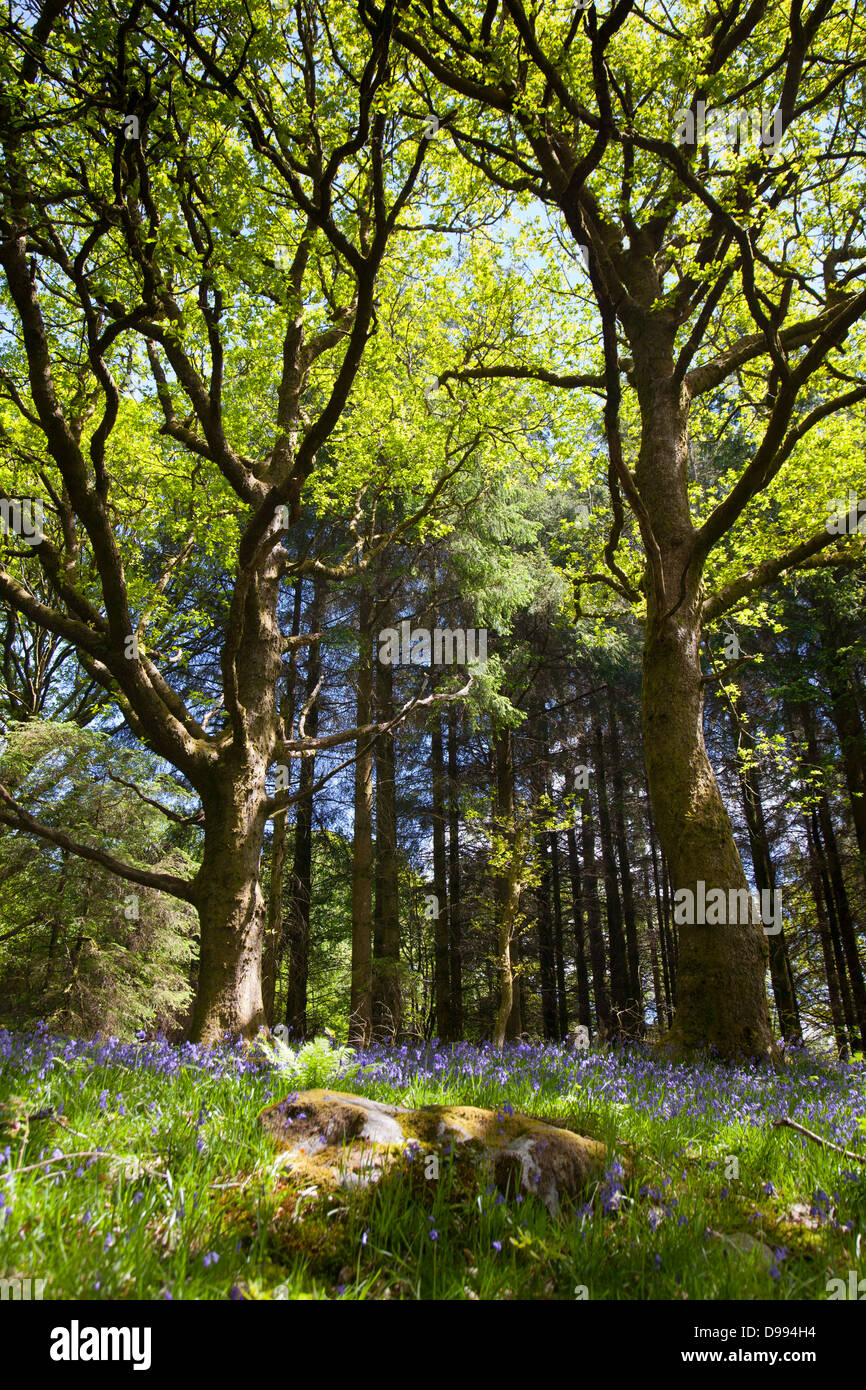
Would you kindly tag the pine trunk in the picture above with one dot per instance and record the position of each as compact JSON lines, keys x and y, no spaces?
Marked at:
{"x":388,"y":1006}
{"x":361,"y":997}
{"x":444,"y":1015}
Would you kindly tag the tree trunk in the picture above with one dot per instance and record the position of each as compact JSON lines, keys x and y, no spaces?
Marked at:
{"x":845,"y":995}
{"x":721,"y":989}
{"x":302,"y":859}
{"x":517,"y":1017}
{"x":546,"y":952}
{"x":556,"y":890}
{"x":231,"y":906}
{"x":546,"y":959}
{"x":721,"y":998}
{"x":274,"y":937}
{"x":781,"y":974}
{"x":670,"y":926}
{"x":622,"y":1002}
{"x":227,"y":888}
{"x":559,"y":953}
{"x":837,"y":1012}
{"x":454,"y":931}
{"x":852,"y":739}
{"x":388,"y":1007}
{"x":846,"y":930}
{"x":273,"y":944}
{"x":661,"y":918}
{"x":653,"y":939}
{"x":444,"y":1016}
{"x":583,"y":1010}
{"x":837,"y":889}
{"x":636,"y":1010}
{"x":508,"y":884}
{"x":593,"y":911}
{"x":361,"y":998}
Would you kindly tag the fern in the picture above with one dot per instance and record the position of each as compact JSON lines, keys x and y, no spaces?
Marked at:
{"x":315,"y":1064}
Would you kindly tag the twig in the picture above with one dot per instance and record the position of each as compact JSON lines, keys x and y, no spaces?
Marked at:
{"x":223,"y":1186}
{"x":83,"y":1153}
{"x":32,"y":1167}
{"x":825,"y":1143}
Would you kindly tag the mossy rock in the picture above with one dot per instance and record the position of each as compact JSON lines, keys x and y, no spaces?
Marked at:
{"x":346,"y":1140}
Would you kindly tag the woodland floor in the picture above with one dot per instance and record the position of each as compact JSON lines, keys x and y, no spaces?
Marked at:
{"x":144,"y":1173}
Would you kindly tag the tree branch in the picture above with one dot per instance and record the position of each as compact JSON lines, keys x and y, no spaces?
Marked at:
{"x":146,"y":878}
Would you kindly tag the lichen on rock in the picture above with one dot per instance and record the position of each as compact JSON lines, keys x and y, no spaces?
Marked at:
{"x":348,"y":1140}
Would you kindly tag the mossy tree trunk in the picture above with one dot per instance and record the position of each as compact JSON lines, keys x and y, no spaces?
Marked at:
{"x":231,"y":907}
{"x":721,"y":997}
{"x":227,"y":889}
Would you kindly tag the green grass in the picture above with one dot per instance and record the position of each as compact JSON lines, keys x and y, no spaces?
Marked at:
{"x":187,"y":1174}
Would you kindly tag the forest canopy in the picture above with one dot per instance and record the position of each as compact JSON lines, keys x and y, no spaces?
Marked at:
{"x":431,"y":463}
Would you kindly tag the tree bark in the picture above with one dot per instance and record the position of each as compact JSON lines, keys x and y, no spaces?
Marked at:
{"x":274,"y":932}
{"x":841,"y":1018}
{"x":721,"y":991}
{"x":556,"y":897}
{"x":653,"y":938}
{"x":558,"y":947}
{"x":583,"y":1006}
{"x":622,"y":1003}
{"x":782,"y":977}
{"x":227,"y":887}
{"x":388,"y":1005}
{"x":302,"y":858}
{"x":444,"y":1015}
{"x":546,"y":953}
{"x":231,"y":906}
{"x":454,"y":928}
{"x":845,"y":922}
{"x":361,"y":996}
{"x":661,"y":918}
{"x":721,"y":998}
{"x":593,"y":911}
{"x":508,"y":885}
{"x":635,"y":1002}
{"x":517,"y":1018}
{"x":837,"y":888}
{"x":852,"y":738}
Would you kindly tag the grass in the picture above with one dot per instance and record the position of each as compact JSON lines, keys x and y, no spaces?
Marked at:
{"x":149,"y":1178}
